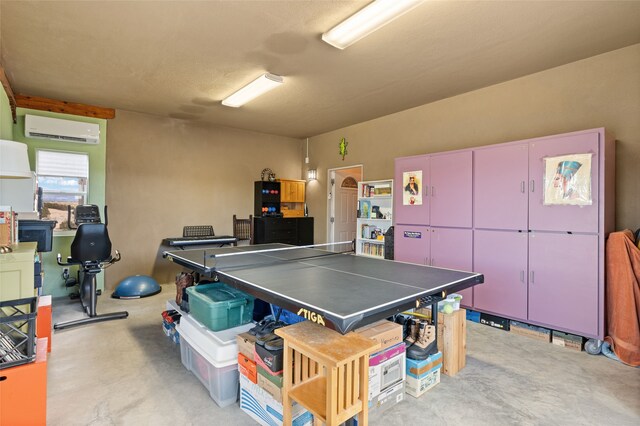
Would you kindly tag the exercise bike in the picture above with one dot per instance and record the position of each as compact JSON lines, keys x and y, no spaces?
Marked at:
{"x":91,"y":250}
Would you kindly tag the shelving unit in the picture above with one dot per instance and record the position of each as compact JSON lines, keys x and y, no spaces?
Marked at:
{"x":375,"y":211}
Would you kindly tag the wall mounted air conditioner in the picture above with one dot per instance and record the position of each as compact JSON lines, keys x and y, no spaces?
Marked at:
{"x":57,"y":129}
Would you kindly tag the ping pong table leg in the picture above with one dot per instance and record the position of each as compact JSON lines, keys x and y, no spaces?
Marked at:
{"x":287,"y":383}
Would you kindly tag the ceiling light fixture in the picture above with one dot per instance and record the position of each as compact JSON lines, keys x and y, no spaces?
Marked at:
{"x":367,"y":20}
{"x":257,"y":87}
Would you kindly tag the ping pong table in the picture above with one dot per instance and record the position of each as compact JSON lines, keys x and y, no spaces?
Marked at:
{"x":338,"y":290}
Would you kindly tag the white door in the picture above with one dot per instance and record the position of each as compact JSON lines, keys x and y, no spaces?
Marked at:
{"x":343,"y":200}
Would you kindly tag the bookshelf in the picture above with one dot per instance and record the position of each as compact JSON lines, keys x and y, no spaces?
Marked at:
{"x":374,"y":216}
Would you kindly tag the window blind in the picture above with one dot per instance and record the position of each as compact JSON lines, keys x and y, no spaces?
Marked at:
{"x":55,"y":163}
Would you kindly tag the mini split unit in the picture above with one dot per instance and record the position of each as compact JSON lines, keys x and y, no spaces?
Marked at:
{"x":61,"y":130}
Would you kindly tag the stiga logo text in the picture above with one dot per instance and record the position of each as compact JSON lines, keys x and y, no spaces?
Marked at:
{"x":311,"y":316}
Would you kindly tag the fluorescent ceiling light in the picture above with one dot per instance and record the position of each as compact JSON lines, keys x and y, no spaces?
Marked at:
{"x":257,"y":87}
{"x":367,"y":20}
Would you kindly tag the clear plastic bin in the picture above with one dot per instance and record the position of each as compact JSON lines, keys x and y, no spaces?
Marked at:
{"x":221,"y":381}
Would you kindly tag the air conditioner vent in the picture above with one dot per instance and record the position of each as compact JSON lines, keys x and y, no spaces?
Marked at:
{"x":57,"y":129}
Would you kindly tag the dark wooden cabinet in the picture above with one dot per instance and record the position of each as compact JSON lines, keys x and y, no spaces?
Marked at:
{"x":287,"y":230}
{"x":266,"y":198}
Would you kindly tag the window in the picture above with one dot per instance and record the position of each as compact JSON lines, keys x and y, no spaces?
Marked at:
{"x":63,"y":177}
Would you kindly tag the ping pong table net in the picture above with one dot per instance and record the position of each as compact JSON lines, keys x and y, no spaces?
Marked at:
{"x":198,"y":231}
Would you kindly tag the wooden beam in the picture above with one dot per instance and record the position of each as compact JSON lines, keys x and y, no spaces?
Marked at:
{"x":9,"y":91}
{"x":46,"y":104}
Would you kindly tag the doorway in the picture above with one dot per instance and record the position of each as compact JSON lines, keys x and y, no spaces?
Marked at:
{"x":342,"y":194}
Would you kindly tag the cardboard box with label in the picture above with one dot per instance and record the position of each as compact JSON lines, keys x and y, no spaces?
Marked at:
{"x":265,"y":410}
{"x":385,"y":332}
{"x":423,"y":375}
{"x":386,"y":368}
{"x":246,"y":343}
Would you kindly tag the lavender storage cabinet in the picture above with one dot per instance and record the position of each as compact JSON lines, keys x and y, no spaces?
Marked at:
{"x":543,"y":262}
{"x":453,"y":248}
{"x":502,"y":258}
{"x":451,"y":189}
{"x":411,"y":214}
{"x":501,"y":187}
{"x":411,"y":244}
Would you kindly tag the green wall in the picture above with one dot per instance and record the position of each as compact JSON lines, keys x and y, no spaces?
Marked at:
{"x":53,"y":282}
{"x":6,"y":120}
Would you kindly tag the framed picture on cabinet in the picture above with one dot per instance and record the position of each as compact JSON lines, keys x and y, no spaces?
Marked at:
{"x":411,"y":183}
{"x":567,"y":180}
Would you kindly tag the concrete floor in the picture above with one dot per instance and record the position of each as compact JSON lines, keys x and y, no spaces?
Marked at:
{"x":126,"y":372}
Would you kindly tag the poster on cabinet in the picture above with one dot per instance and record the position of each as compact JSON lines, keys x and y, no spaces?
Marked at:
{"x":567,"y":180}
{"x":411,"y":182}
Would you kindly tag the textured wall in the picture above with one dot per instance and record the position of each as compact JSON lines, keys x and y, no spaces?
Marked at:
{"x":163,"y":174}
{"x":602,"y":91}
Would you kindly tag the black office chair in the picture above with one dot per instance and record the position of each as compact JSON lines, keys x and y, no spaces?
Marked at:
{"x":91,"y":249}
{"x":243,"y":229}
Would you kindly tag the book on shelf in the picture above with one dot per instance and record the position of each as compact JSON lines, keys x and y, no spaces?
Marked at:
{"x":372,"y":249}
{"x":365,"y":209}
{"x":376,"y":190}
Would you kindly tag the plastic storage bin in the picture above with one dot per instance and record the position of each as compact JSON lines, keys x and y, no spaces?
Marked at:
{"x":219,"y":306}
{"x":220,"y":379}
{"x":17,"y":332}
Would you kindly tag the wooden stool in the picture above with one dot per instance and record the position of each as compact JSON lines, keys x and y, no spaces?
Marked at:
{"x":326,"y":372}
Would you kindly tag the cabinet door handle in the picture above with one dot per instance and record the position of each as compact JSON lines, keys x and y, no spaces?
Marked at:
{"x":433,"y":261}
{"x":531,"y":279}
{"x":532,"y":185}
{"x":433,"y":190}
{"x":521,"y":276}
{"x":426,"y":261}
{"x":522,"y":187}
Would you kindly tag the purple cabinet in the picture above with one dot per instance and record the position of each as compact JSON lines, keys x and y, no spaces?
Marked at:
{"x":553,"y":274}
{"x":500,"y":187}
{"x":557,"y":217}
{"x":502,"y":257}
{"x":411,"y":244}
{"x":453,"y":249}
{"x":403,"y":211}
{"x":452,"y":189}
{"x":563,"y":282}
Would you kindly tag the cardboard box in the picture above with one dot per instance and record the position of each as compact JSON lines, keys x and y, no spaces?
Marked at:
{"x":387,"y":399}
{"x":386,"y":368}
{"x":494,"y":321}
{"x":276,"y":379}
{"x":418,"y":386}
{"x":265,"y":410}
{"x":531,"y":331}
{"x":247,"y":368}
{"x":385,"y":332}
{"x":246,"y":342}
{"x":381,"y":403}
{"x":570,"y":341}
{"x":7,"y":226}
{"x":267,"y":385}
{"x":417,"y":368}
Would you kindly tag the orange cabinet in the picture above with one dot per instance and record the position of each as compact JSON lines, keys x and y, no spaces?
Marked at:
{"x":292,"y":194}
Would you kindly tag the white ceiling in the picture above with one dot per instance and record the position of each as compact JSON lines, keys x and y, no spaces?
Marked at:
{"x":180,"y":58}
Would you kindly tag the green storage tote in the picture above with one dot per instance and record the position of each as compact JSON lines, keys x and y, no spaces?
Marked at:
{"x":219,"y":306}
